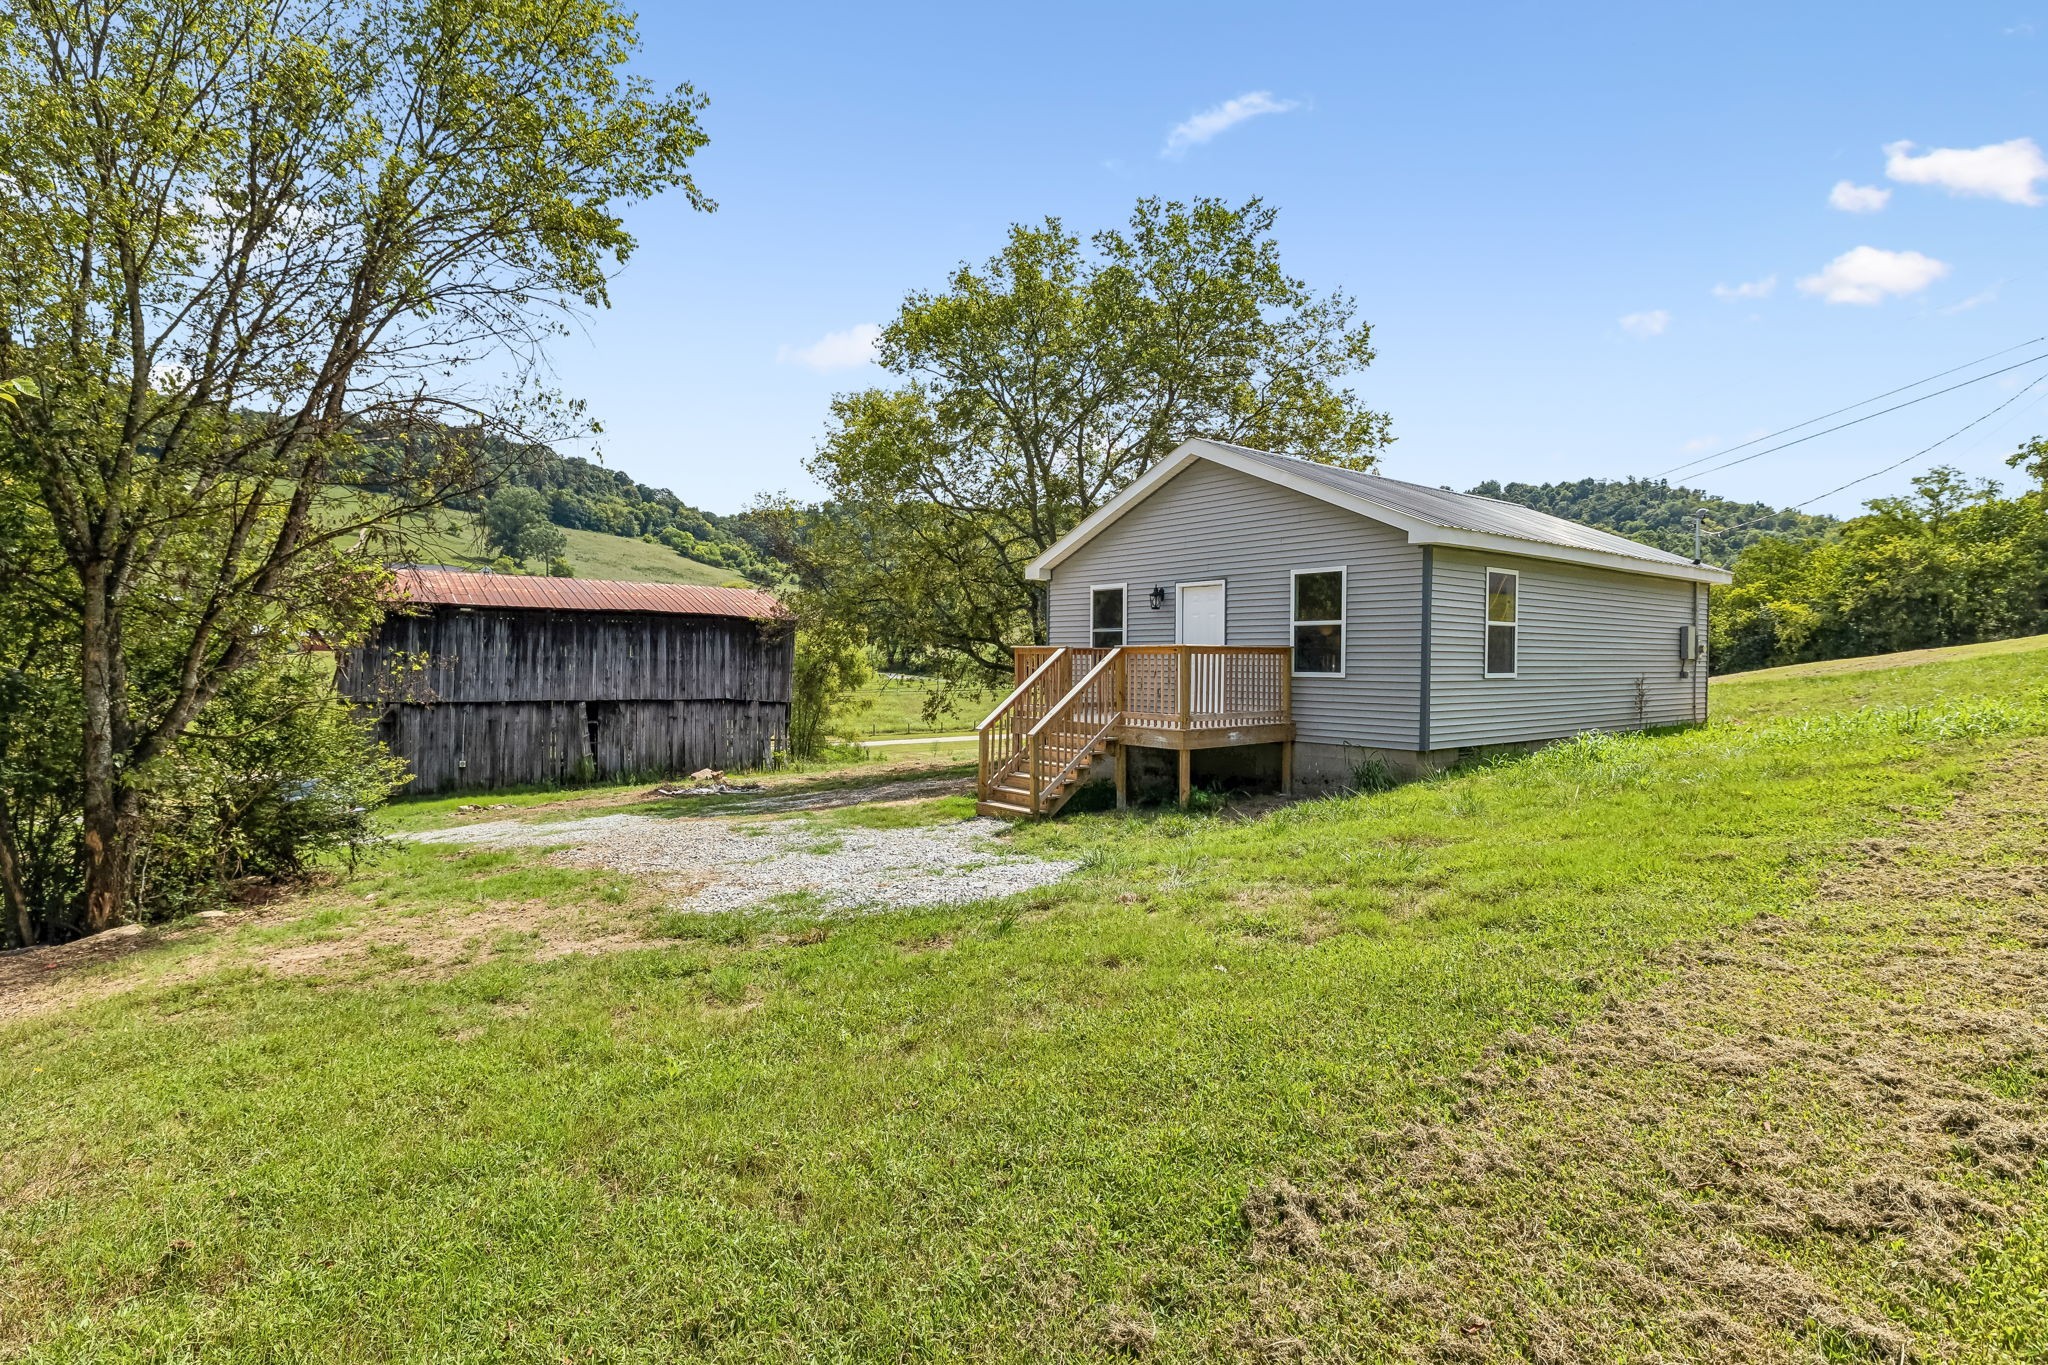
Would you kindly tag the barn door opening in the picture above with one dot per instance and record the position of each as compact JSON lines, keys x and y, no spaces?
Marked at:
{"x":601,"y":755}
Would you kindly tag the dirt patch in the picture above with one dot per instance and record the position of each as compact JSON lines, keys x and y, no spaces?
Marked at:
{"x":1783,"y":1150}
{"x":382,"y":942}
{"x":33,"y":980}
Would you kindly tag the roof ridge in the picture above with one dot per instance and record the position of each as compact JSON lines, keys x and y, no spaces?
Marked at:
{"x":1611,"y":542}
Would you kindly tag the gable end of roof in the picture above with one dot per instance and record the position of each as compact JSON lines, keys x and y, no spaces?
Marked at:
{"x":1429,"y":516}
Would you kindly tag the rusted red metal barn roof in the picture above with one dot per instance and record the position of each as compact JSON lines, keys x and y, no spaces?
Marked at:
{"x":454,"y":588}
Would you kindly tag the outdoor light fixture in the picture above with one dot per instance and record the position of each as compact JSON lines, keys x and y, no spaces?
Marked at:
{"x":1158,"y":598}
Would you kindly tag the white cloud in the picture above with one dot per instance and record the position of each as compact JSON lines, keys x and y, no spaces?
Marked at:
{"x":1748,"y":289}
{"x":1199,"y":128}
{"x":1698,"y":444}
{"x":1650,"y":324}
{"x":1868,"y":274}
{"x":835,"y":350}
{"x":1850,"y":197}
{"x":1999,"y":170}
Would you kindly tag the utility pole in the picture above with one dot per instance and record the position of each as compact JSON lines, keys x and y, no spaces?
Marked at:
{"x":1699,"y":520}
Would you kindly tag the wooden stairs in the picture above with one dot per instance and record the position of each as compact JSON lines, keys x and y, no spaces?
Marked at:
{"x":1075,"y":706}
{"x":1010,"y":795}
{"x":1039,"y":745}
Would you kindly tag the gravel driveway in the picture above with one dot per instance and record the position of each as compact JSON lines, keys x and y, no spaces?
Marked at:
{"x":733,"y":863}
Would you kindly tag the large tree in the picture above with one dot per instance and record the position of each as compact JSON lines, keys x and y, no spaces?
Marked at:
{"x":264,"y":262}
{"x":1037,"y":385}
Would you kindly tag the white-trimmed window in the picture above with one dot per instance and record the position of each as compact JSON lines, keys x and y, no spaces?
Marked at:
{"x":1106,"y":616}
{"x":1503,"y":622}
{"x":1318,"y":596}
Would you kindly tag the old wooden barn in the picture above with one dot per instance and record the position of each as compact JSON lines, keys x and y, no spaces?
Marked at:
{"x":491,"y":680}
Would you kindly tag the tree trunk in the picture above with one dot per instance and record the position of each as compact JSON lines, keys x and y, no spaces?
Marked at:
{"x":108,"y":857}
{"x":10,"y":881}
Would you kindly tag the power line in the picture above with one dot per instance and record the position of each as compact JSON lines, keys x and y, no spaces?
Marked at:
{"x":1783,"y":431}
{"x":1855,"y":421}
{"x":2036,"y":382}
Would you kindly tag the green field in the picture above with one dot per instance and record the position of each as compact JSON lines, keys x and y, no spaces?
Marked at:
{"x":1704,"y":1045}
{"x":892,"y":707}
{"x":446,"y":539}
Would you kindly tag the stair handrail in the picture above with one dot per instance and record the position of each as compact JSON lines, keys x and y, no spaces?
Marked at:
{"x":990,"y":771}
{"x":1021,"y":689}
{"x":1034,"y":742}
{"x":1061,"y":705}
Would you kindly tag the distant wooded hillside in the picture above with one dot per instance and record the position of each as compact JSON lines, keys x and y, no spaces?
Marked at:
{"x":1660,"y":514}
{"x":583,"y":496}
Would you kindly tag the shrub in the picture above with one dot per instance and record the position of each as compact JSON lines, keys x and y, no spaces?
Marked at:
{"x":831,"y":665}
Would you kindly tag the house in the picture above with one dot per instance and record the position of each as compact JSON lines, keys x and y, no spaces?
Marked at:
{"x":1233,"y":608}
{"x":481,"y":681}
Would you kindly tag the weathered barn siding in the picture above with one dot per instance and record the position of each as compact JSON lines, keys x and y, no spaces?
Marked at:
{"x":477,"y":698}
{"x":485,"y":655}
{"x":483,"y":745}
{"x":1587,"y":636}
{"x":1208,"y":522}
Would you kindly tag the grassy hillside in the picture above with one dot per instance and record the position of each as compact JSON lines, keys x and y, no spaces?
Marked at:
{"x":593,"y":554}
{"x":1707,"y":1045}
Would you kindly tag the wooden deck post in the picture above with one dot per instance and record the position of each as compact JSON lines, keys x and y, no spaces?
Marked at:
{"x":1120,"y":682}
{"x":1186,"y":671}
{"x":1187,"y":667}
{"x":1287,"y":711}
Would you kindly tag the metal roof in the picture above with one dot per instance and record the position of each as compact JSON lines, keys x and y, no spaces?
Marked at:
{"x":1461,"y":511}
{"x":454,"y":588}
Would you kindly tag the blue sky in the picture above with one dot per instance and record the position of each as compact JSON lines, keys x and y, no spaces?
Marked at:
{"x":1534,"y":206}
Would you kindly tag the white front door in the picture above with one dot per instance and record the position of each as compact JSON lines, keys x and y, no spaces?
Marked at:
{"x":1201,"y":613}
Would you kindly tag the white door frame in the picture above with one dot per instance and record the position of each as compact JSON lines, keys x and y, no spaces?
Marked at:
{"x":1222,"y":586}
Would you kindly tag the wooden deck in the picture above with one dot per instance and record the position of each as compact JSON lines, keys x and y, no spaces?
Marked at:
{"x":1074,"y":706}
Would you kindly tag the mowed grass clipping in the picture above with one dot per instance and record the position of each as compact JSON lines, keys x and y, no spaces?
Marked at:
{"x":1014,"y":1131}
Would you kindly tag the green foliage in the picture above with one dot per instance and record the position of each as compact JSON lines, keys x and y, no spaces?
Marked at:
{"x":1659,"y":514}
{"x":514,"y":524}
{"x":1373,"y":775}
{"x":253,"y":251}
{"x":1035,"y":387}
{"x":578,"y":495}
{"x":1955,"y":562}
{"x":278,"y":773}
{"x":831,"y":668}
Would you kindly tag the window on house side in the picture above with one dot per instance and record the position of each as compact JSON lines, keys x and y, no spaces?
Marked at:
{"x":1503,"y":588}
{"x":1106,"y":617}
{"x":1319,"y":621}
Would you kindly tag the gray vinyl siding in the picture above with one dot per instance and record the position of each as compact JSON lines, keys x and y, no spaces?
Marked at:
{"x":1208,"y":522}
{"x":1587,"y":635}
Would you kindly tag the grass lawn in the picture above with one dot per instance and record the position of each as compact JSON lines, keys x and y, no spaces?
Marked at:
{"x":892,"y":707}
{"x":1143,"y":1111}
